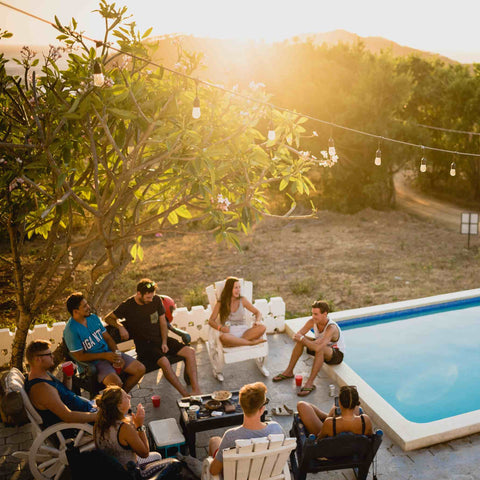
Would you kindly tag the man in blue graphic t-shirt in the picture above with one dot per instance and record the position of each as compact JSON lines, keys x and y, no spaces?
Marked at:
{"x":88,"y":341}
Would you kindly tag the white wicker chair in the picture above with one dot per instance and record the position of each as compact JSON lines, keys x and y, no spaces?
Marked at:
{"x":220,"y":355}
{"x":47,"y":456}
{"x":255,"y":459}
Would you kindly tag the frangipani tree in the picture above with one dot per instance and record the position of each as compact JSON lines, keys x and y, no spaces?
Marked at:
{"x":103,"y":163}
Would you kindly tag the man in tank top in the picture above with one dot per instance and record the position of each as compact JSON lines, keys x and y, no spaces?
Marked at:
{"x":53,"y":399}
{"x":328,"y":346}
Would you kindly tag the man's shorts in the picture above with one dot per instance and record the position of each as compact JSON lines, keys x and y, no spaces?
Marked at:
{"x":105,"y":368}
{"x":337,"y":356}
{"x":149,"y":352}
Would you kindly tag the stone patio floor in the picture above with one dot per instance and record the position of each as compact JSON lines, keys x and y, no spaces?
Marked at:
{"x":454,"y":460}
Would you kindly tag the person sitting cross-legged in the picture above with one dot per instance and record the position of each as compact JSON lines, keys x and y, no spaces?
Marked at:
{"x":88,"y":341}
{"x":53,"y":399}
{"x":252,"y":400}
{"x":321,"y":424}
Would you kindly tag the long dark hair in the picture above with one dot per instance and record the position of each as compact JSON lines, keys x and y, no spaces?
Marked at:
{"x":108,"y":412}
{"x":226,"y":297}
{"x":349,"y":397}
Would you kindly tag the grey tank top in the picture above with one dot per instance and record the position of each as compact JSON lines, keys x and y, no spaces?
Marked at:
{"x":237,"y":318}
{"x":109,"y":444}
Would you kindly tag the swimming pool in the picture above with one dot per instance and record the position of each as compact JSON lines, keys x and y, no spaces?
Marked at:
{"x":417,"y":366}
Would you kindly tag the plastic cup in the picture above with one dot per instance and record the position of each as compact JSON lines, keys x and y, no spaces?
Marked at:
{"x":118,"y":370}
{"x":156,"y":400}
{"x":298,"y":380}
{"x":68,"y":369}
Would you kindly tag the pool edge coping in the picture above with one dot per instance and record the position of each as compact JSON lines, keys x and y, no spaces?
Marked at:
{"x":408,"y":435}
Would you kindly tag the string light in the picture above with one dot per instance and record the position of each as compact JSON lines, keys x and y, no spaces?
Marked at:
{"x":423,"y":161}
{"x":453,"y":169}
{"x":98,"y":78}
{"x":331,"y":147}
{"x":271,"y":131}
{"x":196,"y":104}
{"x":378,"y":156}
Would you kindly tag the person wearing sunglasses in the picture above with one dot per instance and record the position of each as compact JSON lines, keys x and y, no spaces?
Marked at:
{"x":321,"y":424}
{"x":53,"y":399}
{"x":253,"y":400}
{"x":145,"y":323}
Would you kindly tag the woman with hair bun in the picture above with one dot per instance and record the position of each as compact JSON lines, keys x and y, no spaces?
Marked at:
{"x":116,"y":433}
{"x":350,"y":419}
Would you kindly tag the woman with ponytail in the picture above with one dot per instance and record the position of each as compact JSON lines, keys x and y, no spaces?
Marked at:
{"x":121,"y":436}
{"x":350,"y":419}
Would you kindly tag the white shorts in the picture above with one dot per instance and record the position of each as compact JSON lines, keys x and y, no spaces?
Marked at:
{"x":238,"y":330}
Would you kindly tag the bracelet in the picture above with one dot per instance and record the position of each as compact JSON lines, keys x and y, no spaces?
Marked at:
{"x":141,"y":428}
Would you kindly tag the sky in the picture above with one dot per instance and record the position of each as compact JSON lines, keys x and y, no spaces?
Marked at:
{"x":448,"y":28}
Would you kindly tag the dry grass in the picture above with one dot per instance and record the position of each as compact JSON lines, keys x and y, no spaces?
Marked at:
{"x":350,"y":260}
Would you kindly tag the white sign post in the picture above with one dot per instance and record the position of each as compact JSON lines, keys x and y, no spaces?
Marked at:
{"x":469,"y":225}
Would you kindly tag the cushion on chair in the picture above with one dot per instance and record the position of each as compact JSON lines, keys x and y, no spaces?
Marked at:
{"x":12,"y":408}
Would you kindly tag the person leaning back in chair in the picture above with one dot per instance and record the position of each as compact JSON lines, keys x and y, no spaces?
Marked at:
{"x":253,"y":399}
{"x":146,"y":324}
{"x":228,"y":317}
{"x":53,"y":399}
{"x":327,"y":347}
{"x":350,"y":419}
{"x":88,"y":341}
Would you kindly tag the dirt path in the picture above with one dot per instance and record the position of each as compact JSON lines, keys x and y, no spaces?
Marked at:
{"x":414,"y":202}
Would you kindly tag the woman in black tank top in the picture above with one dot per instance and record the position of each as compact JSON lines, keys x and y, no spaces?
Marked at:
{"x":323,"y":425}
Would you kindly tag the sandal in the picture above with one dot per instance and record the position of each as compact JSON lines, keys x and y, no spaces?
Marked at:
{"x":304,"y":391}
{"x":288,"y":409}
{"x":280,"y":377}
{"x":279,"y":411}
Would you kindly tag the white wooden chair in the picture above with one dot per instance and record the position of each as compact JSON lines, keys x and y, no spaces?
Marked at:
{"x":47,"y":456}
{"x":255,"y":459}
{"x":220,"y":355}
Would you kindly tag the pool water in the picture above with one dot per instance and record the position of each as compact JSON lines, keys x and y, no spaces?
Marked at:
{"x":425,"y":364}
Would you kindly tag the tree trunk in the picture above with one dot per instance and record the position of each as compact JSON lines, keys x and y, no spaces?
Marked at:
{"x":20,"y":339}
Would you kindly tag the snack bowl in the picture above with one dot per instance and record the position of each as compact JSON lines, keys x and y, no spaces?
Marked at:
{"x":221,"y":395}
{"x":213,"y":405}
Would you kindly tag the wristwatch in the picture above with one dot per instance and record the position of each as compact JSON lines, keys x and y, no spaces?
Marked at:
{"x":142,"y":428}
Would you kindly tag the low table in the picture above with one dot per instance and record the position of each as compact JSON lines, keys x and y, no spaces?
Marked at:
{"x":205,"y":421}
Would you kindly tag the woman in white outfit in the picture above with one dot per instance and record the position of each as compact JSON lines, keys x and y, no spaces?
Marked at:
{"x":228,"y":317}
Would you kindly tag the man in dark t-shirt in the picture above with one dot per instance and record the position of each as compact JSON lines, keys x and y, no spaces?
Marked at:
{"x":146,"y":324}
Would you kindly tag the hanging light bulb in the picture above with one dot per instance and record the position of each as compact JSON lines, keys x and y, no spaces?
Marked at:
{"x":98,"y":78}
{"x":331,"y":147}
{"x":271,"y":132}
{"x":453,"y":169}
{"x":196,"y":109}
{"x":423,"y":165}
{"x":378,"y":157}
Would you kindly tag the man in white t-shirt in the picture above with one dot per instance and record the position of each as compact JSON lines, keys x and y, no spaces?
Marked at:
{"x":328,"y":346}
{"x":252,"y":399}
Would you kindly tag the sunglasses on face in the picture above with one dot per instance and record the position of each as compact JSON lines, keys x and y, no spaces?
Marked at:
{"x":267,"y":400}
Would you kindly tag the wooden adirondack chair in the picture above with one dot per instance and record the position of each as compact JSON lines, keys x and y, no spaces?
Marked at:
{"x":47,"y":457}
{"x":255,"y":459}
{"x":220,"y":355}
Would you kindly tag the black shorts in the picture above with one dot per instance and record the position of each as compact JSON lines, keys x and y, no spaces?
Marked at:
{"x":150,"y":352}
{"x":337,"y":356}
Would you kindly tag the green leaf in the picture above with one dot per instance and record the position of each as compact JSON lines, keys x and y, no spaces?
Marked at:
{"x":183,"y":212}
{"x":172,"y":218}
{"x":283,"y":184}
{"x":147,"y":33}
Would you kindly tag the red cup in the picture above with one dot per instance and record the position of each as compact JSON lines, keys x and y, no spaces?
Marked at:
{"x":298,"y":380}
{"x":118,"y":370}
{"x":156,"y":400}
{"x":68,"y":369}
